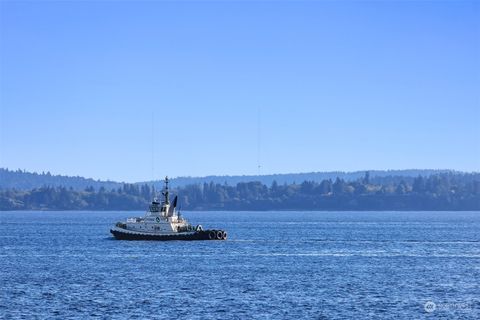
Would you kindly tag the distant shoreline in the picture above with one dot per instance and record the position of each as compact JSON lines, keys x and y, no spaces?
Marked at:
{"x":259,"y":211}
{"x":448,"y":191}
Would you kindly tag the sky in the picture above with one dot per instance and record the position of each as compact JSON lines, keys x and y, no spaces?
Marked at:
{"x":132,"y":91}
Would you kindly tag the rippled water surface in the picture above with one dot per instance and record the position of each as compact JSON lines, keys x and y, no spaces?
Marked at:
{"x":275,"y":265}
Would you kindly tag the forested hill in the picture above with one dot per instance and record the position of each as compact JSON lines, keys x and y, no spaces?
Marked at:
{"x":23,"y":180}
{"x":441,"y":191}
{"x":379,"y":176}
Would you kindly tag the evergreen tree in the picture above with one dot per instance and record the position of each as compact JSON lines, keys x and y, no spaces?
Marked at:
{"x":418,"y":184}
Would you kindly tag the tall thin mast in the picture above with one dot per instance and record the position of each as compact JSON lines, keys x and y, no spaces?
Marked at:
{"x":166,"y":191}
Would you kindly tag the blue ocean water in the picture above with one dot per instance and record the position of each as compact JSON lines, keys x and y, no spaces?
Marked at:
{"x":274,"y":265}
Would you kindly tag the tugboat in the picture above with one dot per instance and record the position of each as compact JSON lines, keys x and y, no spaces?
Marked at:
{"x":163,"y":222}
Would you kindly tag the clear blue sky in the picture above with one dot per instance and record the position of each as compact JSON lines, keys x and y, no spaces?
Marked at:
{"x":336,"y":86}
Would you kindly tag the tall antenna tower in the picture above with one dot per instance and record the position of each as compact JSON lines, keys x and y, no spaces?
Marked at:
{"x":259,"y":135}
{"x":152,"y":137}
{"x":152,"y":177}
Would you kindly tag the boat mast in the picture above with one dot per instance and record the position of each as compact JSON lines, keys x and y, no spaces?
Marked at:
{"x":167,"y":201}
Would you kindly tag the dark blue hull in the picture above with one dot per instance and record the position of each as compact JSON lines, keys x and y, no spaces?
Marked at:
{"x":199,"y":235}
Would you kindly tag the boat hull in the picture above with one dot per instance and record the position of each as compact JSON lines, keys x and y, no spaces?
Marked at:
{"x":198,"y":235}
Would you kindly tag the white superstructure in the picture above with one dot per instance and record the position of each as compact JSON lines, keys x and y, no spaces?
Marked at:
{"x":161,"y":219}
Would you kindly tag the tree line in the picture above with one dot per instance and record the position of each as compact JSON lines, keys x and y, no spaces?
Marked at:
{"x":24,"y":180}
{"x":444,"y":191}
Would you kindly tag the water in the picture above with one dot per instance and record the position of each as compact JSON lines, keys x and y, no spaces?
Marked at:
{"x":275,"y":265}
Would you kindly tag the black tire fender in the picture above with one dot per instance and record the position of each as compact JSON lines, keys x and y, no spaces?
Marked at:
{"x":212,"y":235}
